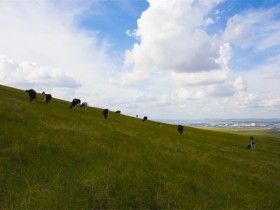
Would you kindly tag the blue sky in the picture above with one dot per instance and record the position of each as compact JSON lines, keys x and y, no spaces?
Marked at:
{"x":112,"y":18}
{"x":172,"y":59}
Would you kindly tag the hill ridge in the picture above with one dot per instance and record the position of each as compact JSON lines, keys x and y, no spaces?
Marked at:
{"x":52,"y":157}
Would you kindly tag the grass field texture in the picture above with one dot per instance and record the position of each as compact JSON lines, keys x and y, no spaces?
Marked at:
{"x":256,"y":131}
{"x":52,"y":157}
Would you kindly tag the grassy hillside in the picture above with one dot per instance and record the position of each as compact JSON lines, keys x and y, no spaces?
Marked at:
{"x":52,"y":157}
{"x":247,"y":131}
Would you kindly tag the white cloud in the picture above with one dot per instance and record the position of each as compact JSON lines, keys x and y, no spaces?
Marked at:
{"x":259,"y":30}
{"x":130,"y":33}
{"x":240,"y":85}
{"x":130,"y":78}
{"x":272,"y":102}
{"x":224,"y":90}
{"x":183,"y":93}
{"x":172,"y":38}
{"x":204,"y":78}
{"x":224,"y":55}
{"x":43,"y":47}
{"x":254,"y":101}
{"x":189,"y":94}
{"x":26,"y":74}
{"x":212,"y":89}
{"x":209,"y":21}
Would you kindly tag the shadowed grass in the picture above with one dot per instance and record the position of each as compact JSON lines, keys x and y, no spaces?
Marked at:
{"x":52,"y":157}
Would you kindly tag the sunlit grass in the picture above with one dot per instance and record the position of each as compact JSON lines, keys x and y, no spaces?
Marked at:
{"x":52,"y":157}
{"x":247,"y":131}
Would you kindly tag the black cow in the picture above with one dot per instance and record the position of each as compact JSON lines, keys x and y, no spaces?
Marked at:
{"x":75,"y":103}
{"x":145,"y":118}
{"x":32,"y":94}
{"x":118,"y":112}
{"x":105,"y":113}
{"x":180,"y":129}
{"x":48,"y":97}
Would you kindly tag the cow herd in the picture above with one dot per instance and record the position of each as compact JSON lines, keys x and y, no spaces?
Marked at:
{"x":76,"y":103}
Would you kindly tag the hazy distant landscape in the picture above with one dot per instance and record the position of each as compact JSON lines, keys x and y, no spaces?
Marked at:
{"x":269,"y":127}
{"x":231,"y":123}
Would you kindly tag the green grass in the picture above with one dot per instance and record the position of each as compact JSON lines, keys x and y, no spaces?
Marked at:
{"x":257,"y":131}
{"x":52,"y":157}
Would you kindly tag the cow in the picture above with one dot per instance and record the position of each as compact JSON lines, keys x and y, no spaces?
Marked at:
{"x":84,"y":105}
{"x":180,"y":129}
{"x":32,"y":94}
{"x":48,"y":97}
{"x":118,"y":112}
{"x":145,"y":118}
{"x":105,"y":113}
{"x":75,"y":103}
{"x":252,"y":143}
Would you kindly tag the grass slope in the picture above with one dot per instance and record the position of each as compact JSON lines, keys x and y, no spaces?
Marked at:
{"x":247,"y":131}
{"x":52,"y":157}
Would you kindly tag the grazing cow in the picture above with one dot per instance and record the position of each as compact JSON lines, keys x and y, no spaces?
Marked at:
{"x":118,"y":112}
{"x":32,"y":94}
{"x":180,"y":129}
{"x":48,"y":98}
{"x":252,"y":144}
{"x":75,"y":103}
{"x":105,"y":113}
{"x":145,"y":118}
{"x":84,"y":105}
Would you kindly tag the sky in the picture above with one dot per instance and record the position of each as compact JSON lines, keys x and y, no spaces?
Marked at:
{"x":165,"y":59}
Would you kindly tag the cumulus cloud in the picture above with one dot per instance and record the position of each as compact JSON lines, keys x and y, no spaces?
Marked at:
{"x":217,"y":82}
{"x":24,"y":74}
{"x":172,"y":38}
{"x":45,"y":32}
{"x":41,"y":45}
{"x":190,"y":94}
{"x":130,"y":78}
{"x":204,"y":78}
{"x":225,"y":89}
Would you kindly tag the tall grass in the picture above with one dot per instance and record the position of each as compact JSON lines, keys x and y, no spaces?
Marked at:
{"x":52,"y":157}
